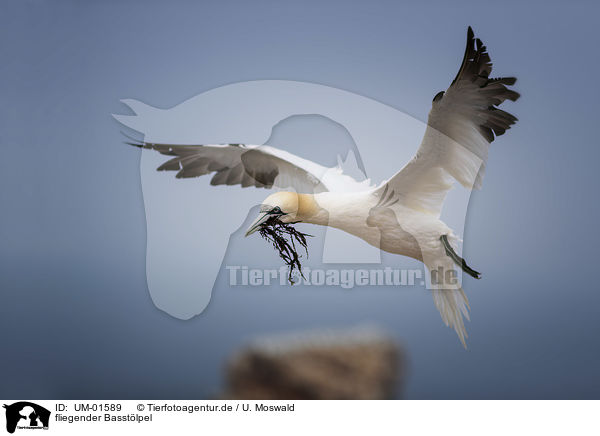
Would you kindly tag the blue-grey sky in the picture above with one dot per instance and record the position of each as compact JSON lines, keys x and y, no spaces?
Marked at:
{"x":77,"y":320}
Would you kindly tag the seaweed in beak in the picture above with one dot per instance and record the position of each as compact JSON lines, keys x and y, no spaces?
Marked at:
{"x":285,"y":238}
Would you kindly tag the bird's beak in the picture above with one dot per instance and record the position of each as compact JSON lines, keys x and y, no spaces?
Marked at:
{"x":262,"y":218}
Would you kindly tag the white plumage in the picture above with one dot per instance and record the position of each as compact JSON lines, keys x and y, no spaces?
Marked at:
{"x":399,"y":216}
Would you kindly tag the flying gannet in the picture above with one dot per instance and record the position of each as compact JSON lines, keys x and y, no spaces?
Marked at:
{"x":402,"y":214}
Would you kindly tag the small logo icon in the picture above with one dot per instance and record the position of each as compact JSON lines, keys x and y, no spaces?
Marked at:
{"x":26,"y":415}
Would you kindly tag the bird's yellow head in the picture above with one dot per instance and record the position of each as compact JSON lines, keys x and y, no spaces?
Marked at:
{"x":287,"y":207}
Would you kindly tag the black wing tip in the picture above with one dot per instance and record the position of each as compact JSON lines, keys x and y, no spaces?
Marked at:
{"x":475,"y":71}
{"x":133,"y":141}
{"x":469,"y":50}
{"x":135,"y":144}
{"x":509,"y":80}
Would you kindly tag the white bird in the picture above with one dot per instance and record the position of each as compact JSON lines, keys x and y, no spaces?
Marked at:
{"x":402,"y":214}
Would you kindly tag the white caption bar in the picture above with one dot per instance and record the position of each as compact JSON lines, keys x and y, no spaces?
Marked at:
{"x":154,"y":417}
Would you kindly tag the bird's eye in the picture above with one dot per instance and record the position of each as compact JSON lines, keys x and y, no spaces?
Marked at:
{"x":276,"y":209}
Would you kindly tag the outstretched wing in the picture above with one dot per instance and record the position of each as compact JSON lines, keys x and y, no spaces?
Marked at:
{"x":462,"y":123}
{"x":261,"y":166}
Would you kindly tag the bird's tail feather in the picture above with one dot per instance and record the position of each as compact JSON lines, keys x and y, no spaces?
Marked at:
{"x":454,"y":307}
{"x":448,"y":295}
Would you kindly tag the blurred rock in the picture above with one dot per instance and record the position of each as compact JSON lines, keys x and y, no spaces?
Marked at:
{"x":358,"y":363}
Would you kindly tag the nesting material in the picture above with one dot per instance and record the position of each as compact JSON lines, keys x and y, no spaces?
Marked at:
{"x":285,"y":239}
